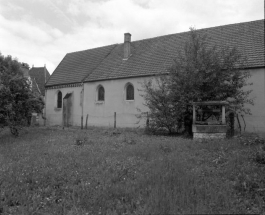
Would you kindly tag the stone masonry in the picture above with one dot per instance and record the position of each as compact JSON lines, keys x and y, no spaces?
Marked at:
{"x":209,"y":135}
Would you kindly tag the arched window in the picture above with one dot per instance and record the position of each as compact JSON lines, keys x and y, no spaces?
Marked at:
{"x":129,"y":92}
{"x":101,"y":94}
{"x":59,"y":99}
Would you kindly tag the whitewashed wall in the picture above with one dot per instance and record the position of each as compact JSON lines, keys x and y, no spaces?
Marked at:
{"x":102,"y":113}
{"x":54,"y":115}
{"x":256,"y":121}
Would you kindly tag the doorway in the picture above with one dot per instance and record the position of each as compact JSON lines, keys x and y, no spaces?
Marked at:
{"x":68,"y":110}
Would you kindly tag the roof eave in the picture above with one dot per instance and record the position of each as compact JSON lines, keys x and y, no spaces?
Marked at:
{"x":56,"y":85}
{"x":134,"y":76}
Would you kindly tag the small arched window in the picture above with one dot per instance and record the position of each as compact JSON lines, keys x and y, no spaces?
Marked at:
{"x":129,"y":92}
{"x":101,"y":94}
{"x":59,"y":99}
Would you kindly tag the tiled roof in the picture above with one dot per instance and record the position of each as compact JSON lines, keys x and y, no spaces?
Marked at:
{"x":76,"y":66}
{"x":38,"y":76}
{"x":155,"y":55}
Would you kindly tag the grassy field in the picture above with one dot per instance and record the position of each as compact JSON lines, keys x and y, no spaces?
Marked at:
{"x":105,"y":171}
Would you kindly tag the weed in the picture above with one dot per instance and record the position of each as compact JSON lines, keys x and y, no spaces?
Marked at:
{"x":260,"y":157}
{"x":43,"y":172}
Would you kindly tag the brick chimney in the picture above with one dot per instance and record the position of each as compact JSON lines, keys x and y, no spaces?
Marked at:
{"x":127,"y":45}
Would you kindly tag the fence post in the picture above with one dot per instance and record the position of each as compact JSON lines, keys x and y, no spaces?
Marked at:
{"x":232,"y":124}
{"x":86,"y":120}
{"x":114,"y":119}
{"x":223,"y":115}
{"x":81,"y":122}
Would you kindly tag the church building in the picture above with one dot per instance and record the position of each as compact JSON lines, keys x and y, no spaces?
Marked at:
{"x":97,"y":84}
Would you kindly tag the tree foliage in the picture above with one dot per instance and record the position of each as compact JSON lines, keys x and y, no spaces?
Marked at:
{"x":17,"y":101}
{"x":201,"y":71}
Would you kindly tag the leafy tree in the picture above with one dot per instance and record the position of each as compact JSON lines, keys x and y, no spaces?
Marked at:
{"x":17,"y":101}
{"x":164,"y":113}
{"x":201,"y":71}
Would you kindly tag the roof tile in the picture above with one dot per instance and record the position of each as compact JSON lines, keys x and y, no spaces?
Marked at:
{"x":39,"y":77}
{"x":155,"y":55}
{"x":76,"y":66}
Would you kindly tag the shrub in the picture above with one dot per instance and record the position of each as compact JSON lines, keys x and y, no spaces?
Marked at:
{"x":201,"y":71}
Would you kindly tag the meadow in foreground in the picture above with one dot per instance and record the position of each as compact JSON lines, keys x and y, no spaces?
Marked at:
{"x":105,"y":171}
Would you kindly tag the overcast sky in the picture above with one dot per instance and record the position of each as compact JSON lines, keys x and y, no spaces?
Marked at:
{"x":42,"y":31}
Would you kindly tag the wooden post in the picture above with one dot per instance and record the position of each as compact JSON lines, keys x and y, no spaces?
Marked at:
{"x":232,"y":124}
{"x":114,"y":119}
{"x":45,"y":106}
{"x":194,"y":114}
{"x":223,"y":115}
{"x":147,"y":120}
{"x":81,"y":122}
{"x":86,"y":120}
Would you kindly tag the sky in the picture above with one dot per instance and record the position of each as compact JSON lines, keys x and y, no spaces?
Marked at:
{"x":42,"y":32}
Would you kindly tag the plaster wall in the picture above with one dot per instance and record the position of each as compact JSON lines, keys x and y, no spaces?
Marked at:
{"x":54,"y":115}
{"x":102,"y":113}
{"x":256,"y":121}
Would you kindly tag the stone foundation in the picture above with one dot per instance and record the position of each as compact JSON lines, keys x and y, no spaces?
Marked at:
{"x":209,"y":131}
{"x":209,"y":135}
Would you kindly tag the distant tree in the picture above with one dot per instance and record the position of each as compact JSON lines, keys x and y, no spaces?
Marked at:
{"x":201,"y":72}
{"x":17,"y":101}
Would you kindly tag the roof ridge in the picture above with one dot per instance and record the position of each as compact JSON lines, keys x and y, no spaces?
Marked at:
{"x":152,"y":55}
{"x":184,"y":32}
{"x":158,"y":37}
{"x":93,"y":48}
{"x":35,"y":67}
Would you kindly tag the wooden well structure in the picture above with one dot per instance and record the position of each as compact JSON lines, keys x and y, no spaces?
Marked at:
{"x":209,"y":119}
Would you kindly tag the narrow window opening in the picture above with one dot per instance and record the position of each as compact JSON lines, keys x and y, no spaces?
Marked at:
{"x":101,"y":94}
{"x":129,"y":92}
{"x":59,"y":99}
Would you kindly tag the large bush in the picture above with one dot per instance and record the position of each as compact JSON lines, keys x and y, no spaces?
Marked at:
{"x":201,"y":71}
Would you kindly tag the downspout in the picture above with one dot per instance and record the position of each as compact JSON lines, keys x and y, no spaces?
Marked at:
{"x":82,"y":105}
{"x":45,"y":96}
{"x":45,"y":106}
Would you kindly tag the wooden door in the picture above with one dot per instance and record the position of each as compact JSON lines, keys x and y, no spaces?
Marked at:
{"x":67,"y":110}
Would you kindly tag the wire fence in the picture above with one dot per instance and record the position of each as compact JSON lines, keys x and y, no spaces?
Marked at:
{"x":110,"y":120}
{"x":252,"y":123}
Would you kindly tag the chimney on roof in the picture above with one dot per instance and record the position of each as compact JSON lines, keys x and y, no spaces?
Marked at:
{"x":127,"y":45}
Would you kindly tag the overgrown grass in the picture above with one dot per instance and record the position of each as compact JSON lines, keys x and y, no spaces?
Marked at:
{"x":102,"y":171}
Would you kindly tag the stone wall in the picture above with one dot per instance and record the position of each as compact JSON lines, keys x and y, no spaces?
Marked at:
{"x":209,"y":135}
